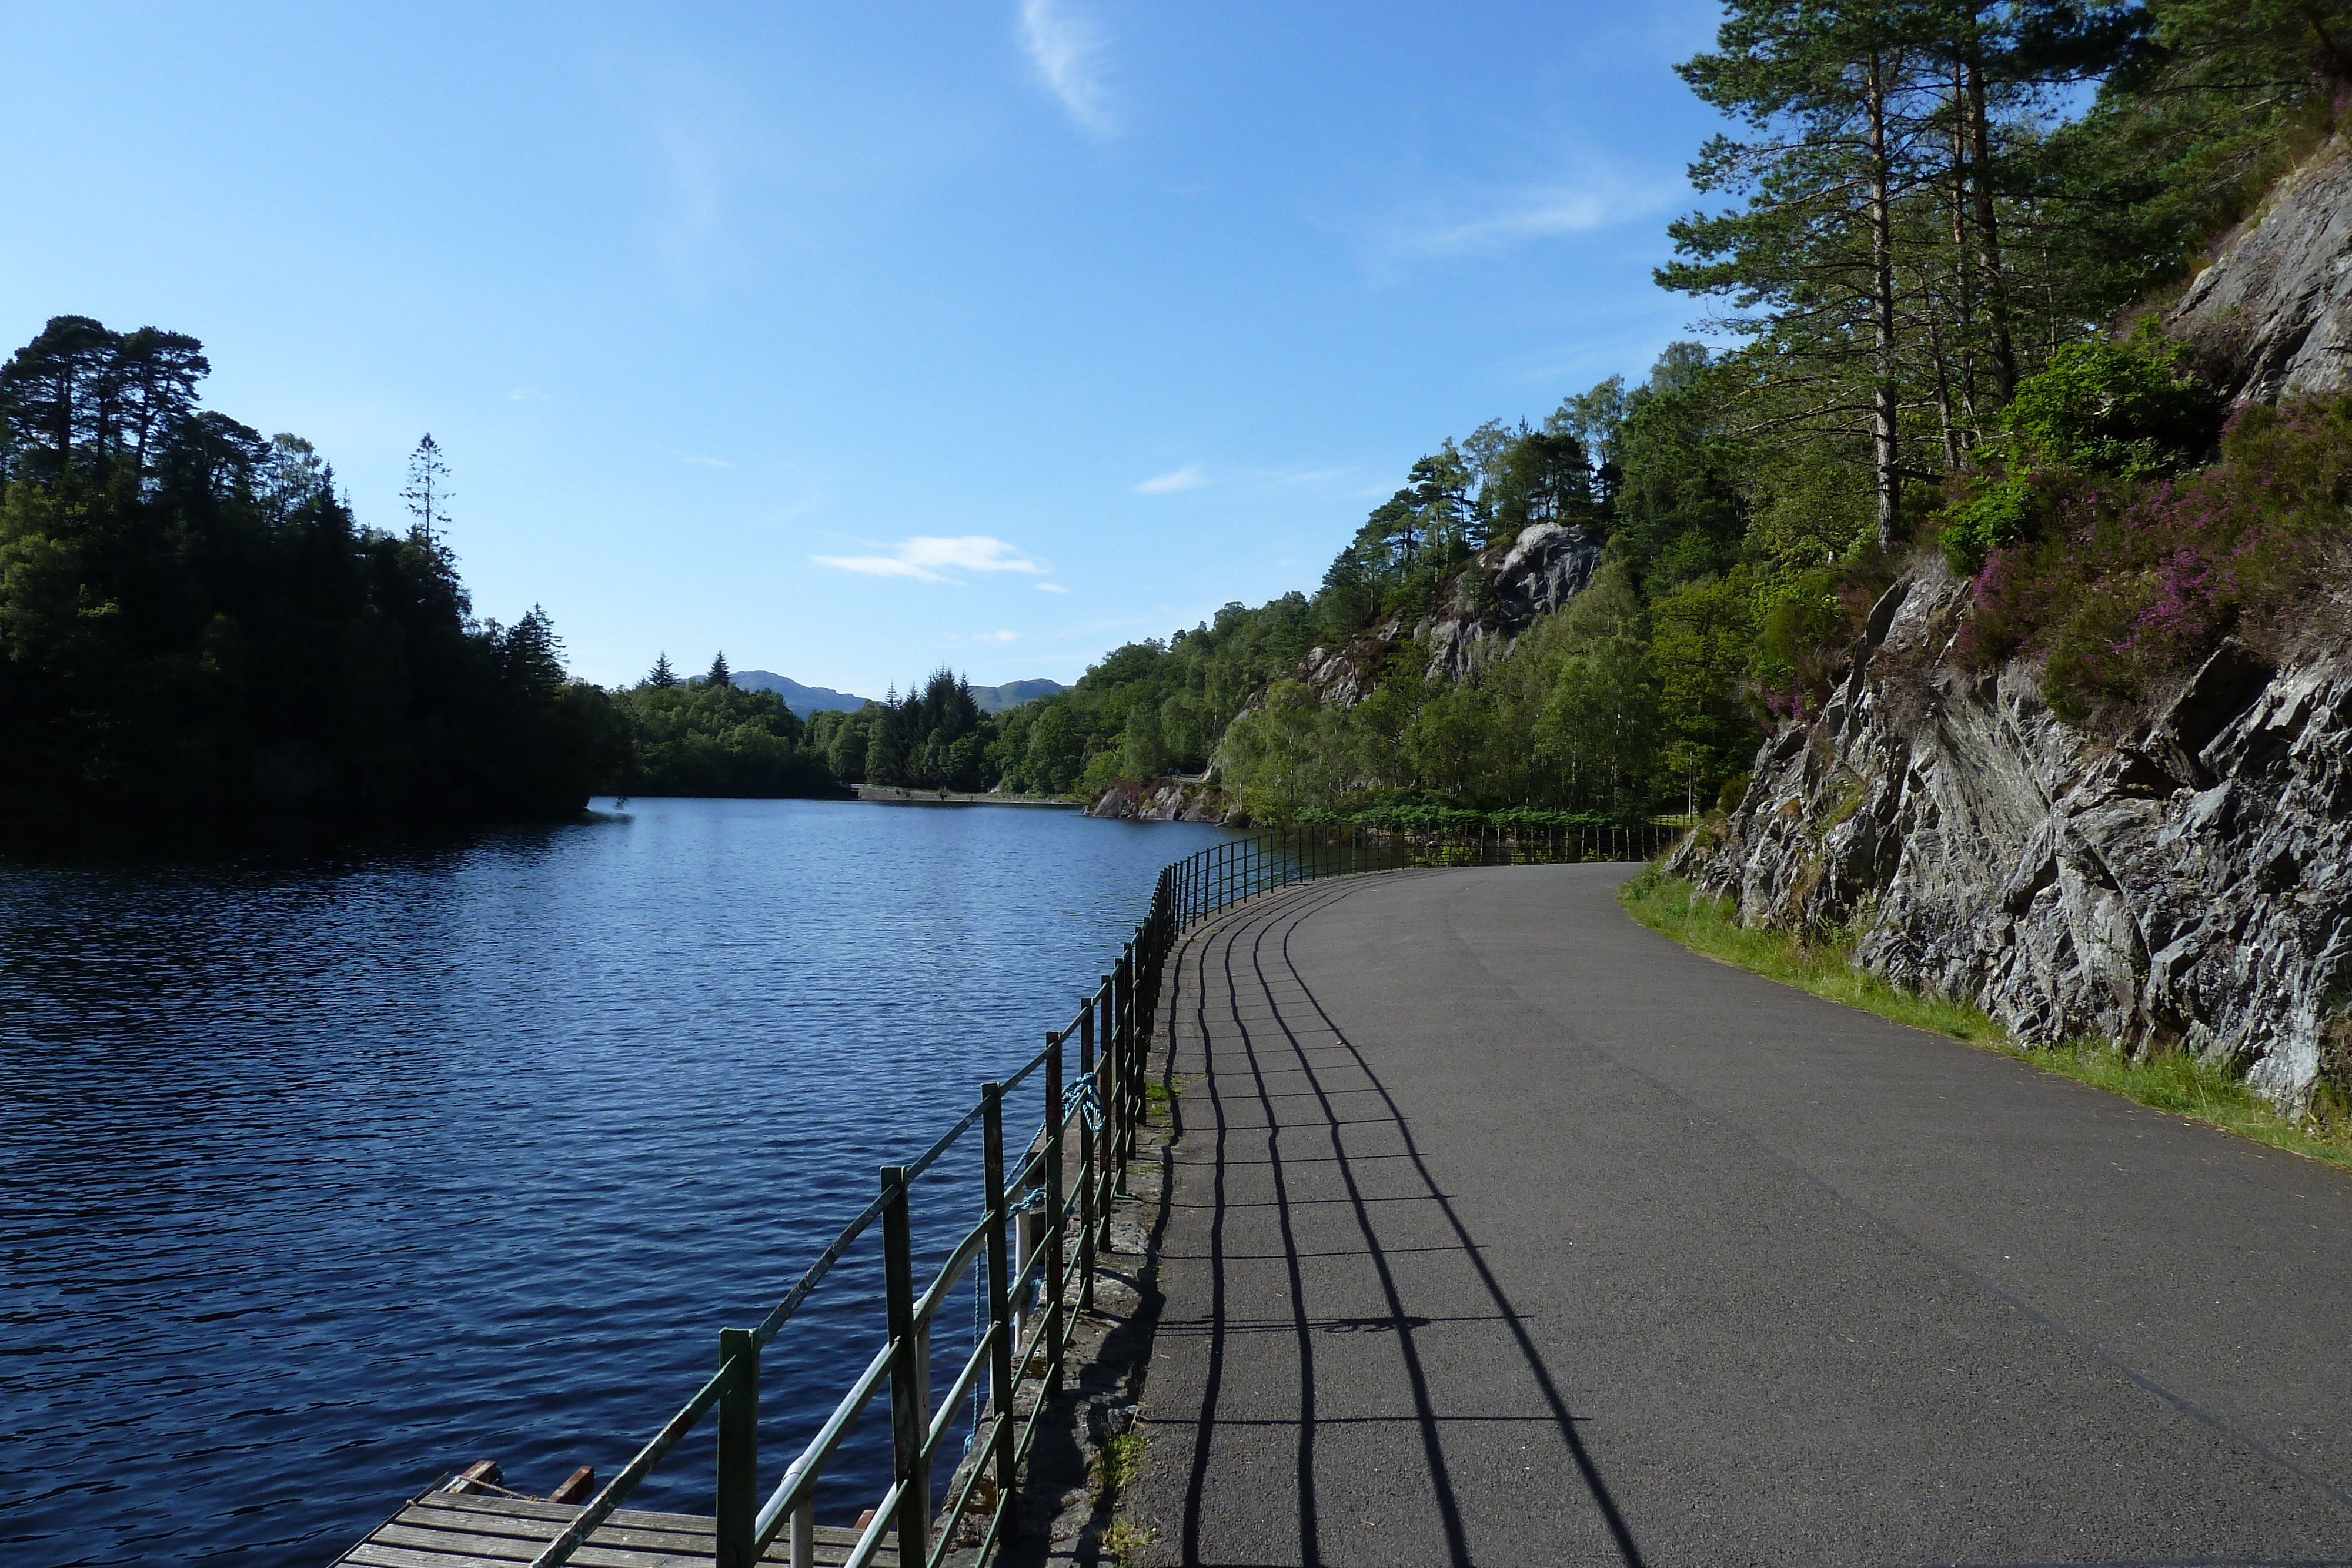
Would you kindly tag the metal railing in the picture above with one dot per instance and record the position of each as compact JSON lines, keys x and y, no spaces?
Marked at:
{"x":1225,"y":873}
{"x":1043,"y":1226}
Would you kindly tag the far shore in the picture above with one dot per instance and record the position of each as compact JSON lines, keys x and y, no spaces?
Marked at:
{"x":886,"y":795}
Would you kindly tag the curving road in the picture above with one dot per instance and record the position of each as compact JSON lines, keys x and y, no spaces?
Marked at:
{"x":1500,"y":1229}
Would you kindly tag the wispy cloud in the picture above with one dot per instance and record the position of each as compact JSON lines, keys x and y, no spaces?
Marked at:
{"x":1188,"y":478}
{"x":526,"y":394}
{"x":929,"y":559}
{"x":1068,"y":52}
{"x":697,"y":461}
{"x":1497,"y":221}
{"x":996,"y":636}
{"x":1051,"y":587}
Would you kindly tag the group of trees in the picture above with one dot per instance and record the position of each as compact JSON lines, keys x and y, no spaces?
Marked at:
{"x":1918,"y":263}
{"x":192,"y":621}
{"x":1922,"y":252}
{"x":709,"y":737}
{"x":934,"y":739}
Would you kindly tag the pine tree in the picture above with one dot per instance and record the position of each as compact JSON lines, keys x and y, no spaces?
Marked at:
{"x":661,"y":675}
{"x":429,"y":488}
{"x":718,"y":676}
{"x":1837,"y":102}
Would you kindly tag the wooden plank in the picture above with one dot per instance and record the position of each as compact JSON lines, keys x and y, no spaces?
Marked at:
{"x":369,"y":1555}
{"x":415,"y":1527}
{"x":474,"y":1529}
{"x":515,"y":1549}
{"x":532,"y":1508}
{"x":539,"y":1531}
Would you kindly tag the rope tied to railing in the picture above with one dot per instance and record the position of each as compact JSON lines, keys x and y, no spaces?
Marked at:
{"x":1081,"y":1100}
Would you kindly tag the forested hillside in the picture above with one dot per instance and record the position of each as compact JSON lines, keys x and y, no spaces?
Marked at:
{"x":1926,"y":261}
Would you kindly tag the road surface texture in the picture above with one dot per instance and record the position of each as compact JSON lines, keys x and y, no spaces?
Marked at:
{"x":1500,"y":1229}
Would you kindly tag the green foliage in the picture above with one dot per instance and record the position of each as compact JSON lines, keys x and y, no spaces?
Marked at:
{"x":2125,"y":410}
{"x":711,"y":738}
{"x":934,"y":739}
{"x":192,"y":621}
{"x":1153,"y":707}
{"x":2211,"y":101}
{"x":2129,"y":581}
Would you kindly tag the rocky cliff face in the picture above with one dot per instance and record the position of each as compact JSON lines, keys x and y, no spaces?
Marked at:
{"x":1485,"y":605}
{"x":2186,"y":883}
{"x":2272,"y":316}
{"x":2190,"y":886}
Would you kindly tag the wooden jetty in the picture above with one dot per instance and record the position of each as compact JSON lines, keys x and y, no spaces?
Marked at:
{"x":470,"y":1530}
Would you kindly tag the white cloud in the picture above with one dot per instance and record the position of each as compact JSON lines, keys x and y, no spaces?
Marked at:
{"x":698,"y":462}
{"x":1188,"y":478}
{"x":1067,"y":53}
{"x":1591,"y":197}
{"x":526,"y":394}
{"x":996,"y":637}
{"x":1051,"y":587}
{"x":929,"y":559}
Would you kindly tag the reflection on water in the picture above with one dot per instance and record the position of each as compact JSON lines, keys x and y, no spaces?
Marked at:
{"x":329,"y":1167}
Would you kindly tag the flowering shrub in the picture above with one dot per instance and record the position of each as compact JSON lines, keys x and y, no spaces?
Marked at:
{"x":2130,"y":579}
{"x":2121,"y":410}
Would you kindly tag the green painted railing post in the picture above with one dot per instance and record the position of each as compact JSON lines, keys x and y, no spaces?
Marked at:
{"x":1115,"y":1090}
{"x":1057,"y":1221}
{"x":907,"y":1418}
{"x":1123,"y":1015}
{"x":738,"y":1451}
{"x":1000,"y":1383}
{"x":1089,"y":1179}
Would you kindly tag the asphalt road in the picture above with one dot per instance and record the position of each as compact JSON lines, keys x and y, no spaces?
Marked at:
{"x":1500,"y":1230}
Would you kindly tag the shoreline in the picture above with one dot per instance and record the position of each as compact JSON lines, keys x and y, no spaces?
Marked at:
{"x":890,"y":795}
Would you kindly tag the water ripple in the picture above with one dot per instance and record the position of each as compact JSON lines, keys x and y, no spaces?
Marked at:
{"x":328,"y":1168}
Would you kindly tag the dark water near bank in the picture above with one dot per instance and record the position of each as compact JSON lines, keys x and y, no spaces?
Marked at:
{"x":327,"y":1168}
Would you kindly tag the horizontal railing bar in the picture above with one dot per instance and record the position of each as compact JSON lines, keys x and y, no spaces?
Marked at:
{"x":953,"y":1402}
{"x":1190,"y":891}
{"x":961,"y":1498}
{"x":801,"y":1475}
{"x":886,"y":1514}
{"x":816,"y":1273}
{"x":946,"y":1140}
{"x":600,"y":1507}
{"x":1034,"y":1064}
{"x":950,"y":1272}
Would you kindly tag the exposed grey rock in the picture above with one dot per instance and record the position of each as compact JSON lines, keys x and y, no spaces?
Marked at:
{"x":1167,"y":801}
{"x":2191,"y":887}
{"x":2272,"y":316}
{"x":1547,"y":566}
{"x":1544,"y":567}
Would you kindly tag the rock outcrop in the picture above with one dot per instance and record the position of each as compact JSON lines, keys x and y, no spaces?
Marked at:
{"x":1167,"y":801}
{"x":2190,"y":885}
{"x":1486,"y":604}
{"x":2272,"y":316}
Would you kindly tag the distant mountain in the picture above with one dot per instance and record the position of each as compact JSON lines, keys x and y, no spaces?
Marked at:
{"x":806,"y":700}
{"x":803,"y":700}
{"x":1013,"y":693}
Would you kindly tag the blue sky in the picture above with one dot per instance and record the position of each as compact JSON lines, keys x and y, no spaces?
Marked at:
{"x":855,"y":339}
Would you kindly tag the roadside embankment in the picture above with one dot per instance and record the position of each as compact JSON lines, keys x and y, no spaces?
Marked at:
{"x":2188,"y":886}
{"x":2173,"y":1081}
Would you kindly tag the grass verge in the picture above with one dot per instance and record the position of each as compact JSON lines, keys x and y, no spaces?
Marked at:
{"x":2173,"y":1081}
{"x":1116,"y":1466}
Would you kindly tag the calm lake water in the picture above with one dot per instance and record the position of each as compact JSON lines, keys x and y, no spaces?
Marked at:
{"x":329,"y":1168}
